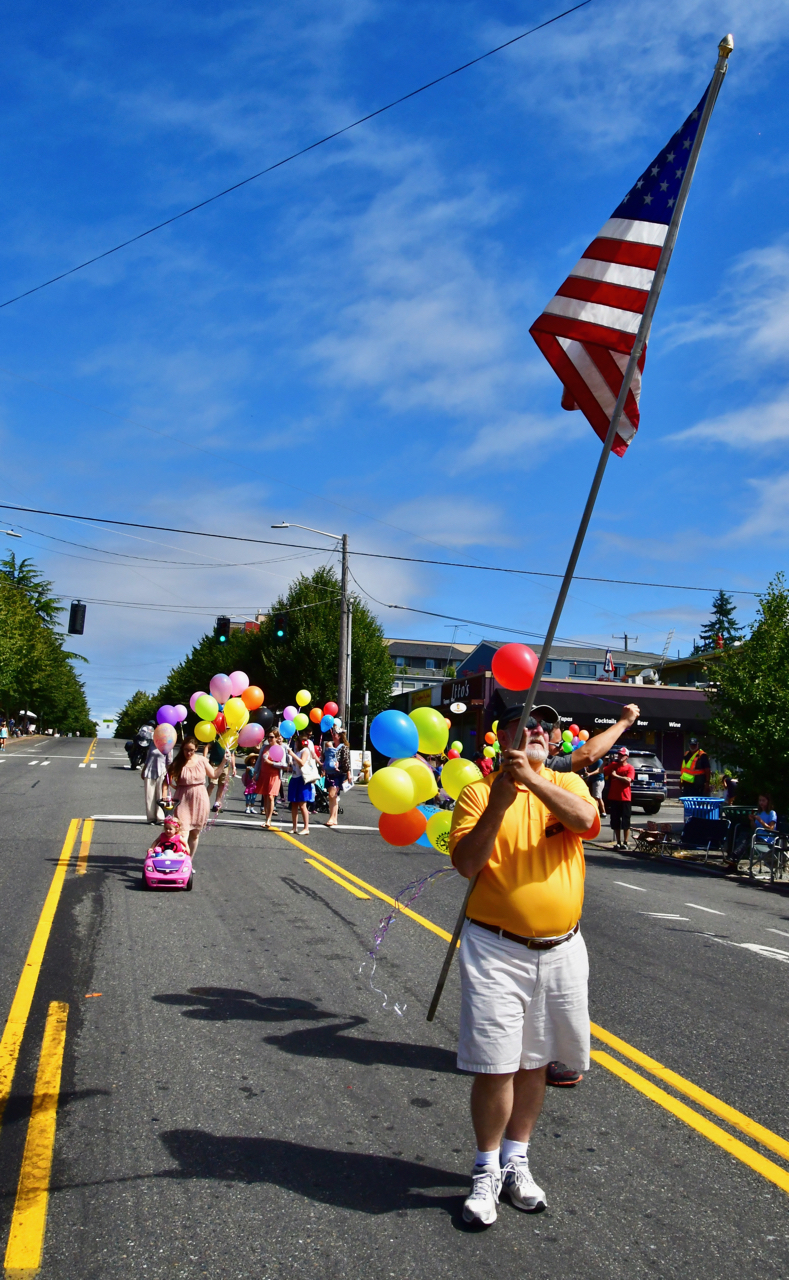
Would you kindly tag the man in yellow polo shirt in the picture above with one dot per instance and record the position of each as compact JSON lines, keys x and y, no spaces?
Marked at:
{"x":523,"y":964}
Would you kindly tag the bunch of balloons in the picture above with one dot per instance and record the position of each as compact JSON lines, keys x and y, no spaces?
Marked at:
{"x":167,"y":717}
{"x":573,"y":738}
{"x":295,"y":719}
{"x":401,"y":788}
{"x":225,"y":711}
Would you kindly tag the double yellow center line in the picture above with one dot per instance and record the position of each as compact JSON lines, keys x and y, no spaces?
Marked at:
{"x":694,"y":1119}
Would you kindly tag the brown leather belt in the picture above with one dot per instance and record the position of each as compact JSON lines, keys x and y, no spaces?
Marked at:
{"x":534,"y":944}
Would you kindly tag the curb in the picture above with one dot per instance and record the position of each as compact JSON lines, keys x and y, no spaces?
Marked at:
{"x":781,"y":889}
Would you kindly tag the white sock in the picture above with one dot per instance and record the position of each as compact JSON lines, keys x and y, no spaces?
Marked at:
{"x":487,"y":1160}
{"x":512,"y":1150}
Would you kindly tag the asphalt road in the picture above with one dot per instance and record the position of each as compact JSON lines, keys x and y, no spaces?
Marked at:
{"x":239,"y":1100}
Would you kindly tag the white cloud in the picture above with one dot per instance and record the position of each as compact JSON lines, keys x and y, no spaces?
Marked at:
{"x":520,"y":441}
{"x":454,"y":520}
{"x":765,"y":520}
{"x":747,"y":428}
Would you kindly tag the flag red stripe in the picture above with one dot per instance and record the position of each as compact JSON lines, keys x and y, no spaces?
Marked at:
{"x":628,"y":252}
{"x":612,"y":373}
{"x":610,"y":295}
{"x":565,"y":369}
{"x":582,"y":331}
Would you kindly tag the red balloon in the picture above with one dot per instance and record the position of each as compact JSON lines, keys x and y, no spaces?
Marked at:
{"x":514,"y":666}
{"x":401,"y":829}
{"x":331,"y":709}
{"x":252,"y":697}
{"x":452,"y":754}
{"x":574,"y":730}
{"x":316,"y":715}
{"x":219,"y":722}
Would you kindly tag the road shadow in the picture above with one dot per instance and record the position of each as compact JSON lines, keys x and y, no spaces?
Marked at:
{"x":372,"y":1184}
{"x":19,"y":1105}
{"x":331,"y":1042}
{"x":227,"y":1004}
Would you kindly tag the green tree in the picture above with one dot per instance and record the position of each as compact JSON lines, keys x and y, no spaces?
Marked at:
{"x":721,"y":623}
{"x":24,"y":575}
{"x":308,"y":659}
{"x":750,"y":721}
{"x":35,"y":671}
{"x":140,"y":709}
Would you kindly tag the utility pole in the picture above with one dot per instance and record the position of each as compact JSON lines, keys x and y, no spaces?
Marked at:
{"x":343,"y":679}
{"x":626,"y":637}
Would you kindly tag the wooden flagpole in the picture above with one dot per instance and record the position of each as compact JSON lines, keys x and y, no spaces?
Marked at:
{"x":724,"y":49}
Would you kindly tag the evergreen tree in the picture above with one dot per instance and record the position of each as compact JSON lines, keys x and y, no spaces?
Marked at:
{"x":24,"y":575}
{"x":751,"y":702}
{"x":140,"y":709}
{"x":35,"y":672}
{"x":721,"y":623}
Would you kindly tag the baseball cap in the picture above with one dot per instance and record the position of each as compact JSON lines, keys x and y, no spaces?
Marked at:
{"x":541,"y":712}
{"x":623,"y":751}
{"x":694,"y":742}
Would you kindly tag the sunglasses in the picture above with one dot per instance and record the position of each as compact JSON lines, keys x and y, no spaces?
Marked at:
{"x":535,"y":722}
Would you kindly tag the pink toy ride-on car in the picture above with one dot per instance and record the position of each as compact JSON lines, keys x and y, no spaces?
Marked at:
{"x":167,"y":863}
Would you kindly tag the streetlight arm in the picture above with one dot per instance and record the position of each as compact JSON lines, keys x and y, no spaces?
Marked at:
{"x":337,"y":537}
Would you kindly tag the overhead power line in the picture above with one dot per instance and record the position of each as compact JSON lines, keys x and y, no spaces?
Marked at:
{"x":293,"y":156}
{"x":369,"y":555}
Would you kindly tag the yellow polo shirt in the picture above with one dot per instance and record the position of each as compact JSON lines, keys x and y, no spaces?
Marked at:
{"x":533,"y":883}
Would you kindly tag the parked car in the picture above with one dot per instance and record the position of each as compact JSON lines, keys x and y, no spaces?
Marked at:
{"x":648,"y":788}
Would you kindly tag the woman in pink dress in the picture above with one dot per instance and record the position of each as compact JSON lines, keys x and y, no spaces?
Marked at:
{"x":188,"y":774}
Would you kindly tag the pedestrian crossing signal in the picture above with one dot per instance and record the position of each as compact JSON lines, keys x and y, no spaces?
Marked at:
{"x":76,"y":618}
{"x":222,"y":630}
{"x":280,"y":628}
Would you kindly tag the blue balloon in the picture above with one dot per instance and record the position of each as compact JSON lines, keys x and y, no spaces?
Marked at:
{"x":287,"y":728}
{"x":428,"y":810}
{"x":326,"y":723}
{"x":394,"y":734}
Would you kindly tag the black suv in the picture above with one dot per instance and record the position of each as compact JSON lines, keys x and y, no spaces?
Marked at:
{"x":648,"y":788}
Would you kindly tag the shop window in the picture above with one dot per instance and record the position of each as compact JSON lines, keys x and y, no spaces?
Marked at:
{"x":585,"y":669}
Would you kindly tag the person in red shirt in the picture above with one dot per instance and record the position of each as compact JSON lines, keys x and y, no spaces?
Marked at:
{"x":620,"y":774}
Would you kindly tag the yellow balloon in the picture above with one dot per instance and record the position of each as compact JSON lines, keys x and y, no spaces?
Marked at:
{"x":437,"y":831}
{"x":205,"y":732}
{"x":228,"y":739}
{"x":236,"y":714}
{"x":489,"y":752}
{"x":433,"y":730}
{"x":302,"y":697}
{"x":457,"y":774}
{"x":425,"y":785}
{"x":495,"y":725}
{"x":392,"y":790}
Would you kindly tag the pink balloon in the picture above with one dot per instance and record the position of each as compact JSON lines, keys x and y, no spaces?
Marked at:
{"x":221,"y":688}
{"x":166,"y":715}
{"x":239,"y":681}
{"x":195,"y":696}
{"x":251,"y":736}
{"x":276,"y":753}
{"x":290,"y":713}
{"x":181,"y":712}
{"x":164,"y":737}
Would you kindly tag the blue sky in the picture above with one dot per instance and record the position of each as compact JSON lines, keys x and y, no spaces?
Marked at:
{"x":345,"y":342}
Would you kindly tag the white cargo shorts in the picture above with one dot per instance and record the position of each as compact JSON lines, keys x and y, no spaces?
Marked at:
{"x":521,"y":1008}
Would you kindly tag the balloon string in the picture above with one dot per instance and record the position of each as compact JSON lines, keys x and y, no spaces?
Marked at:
{"x":403,"y":899}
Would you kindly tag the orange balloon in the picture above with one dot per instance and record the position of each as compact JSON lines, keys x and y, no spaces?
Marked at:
{"x":447,"y":722}
{"x":401,"y":829}
{"x":252,"y":697}
{"x":490,"y":738}
{"x":316,"y":715}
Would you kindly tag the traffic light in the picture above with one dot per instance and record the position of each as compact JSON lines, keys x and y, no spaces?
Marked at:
{"x":76,"y":618}
{"x":222,"y":630}
{"x":280,"y":628}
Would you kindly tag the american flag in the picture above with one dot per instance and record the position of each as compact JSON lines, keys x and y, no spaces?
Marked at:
{"x":587,"y":331}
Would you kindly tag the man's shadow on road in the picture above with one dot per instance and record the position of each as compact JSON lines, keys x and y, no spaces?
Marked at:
{"x":234,"y":1004}
{"x":372,"y":1184}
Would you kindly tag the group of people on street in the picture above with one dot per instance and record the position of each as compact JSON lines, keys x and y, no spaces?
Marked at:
{"x":186,"y":779}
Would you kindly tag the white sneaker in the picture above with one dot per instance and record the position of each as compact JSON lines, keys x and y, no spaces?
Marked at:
{"x":521,"y":1188}
{"x":480,"y":1205}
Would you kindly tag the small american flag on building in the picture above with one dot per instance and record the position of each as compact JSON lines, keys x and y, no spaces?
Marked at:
{"x":587,"y":331}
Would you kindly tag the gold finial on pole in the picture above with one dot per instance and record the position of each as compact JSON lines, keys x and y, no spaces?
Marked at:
{"x":726,"y":45}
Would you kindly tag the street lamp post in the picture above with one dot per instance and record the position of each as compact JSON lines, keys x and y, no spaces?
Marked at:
{"x":344,"y":663}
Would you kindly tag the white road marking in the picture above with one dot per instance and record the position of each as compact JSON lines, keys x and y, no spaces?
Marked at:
{"x":81,"y":766}
{"x":662,"y":915}
{"x":43,"y":763}
{"x":94,"y":766}
{"x":625,"y":885}
{"x":711,"y":910}
{"x":31,"y":762}
{"x":782,"y":932}
{"x":772,"y":953}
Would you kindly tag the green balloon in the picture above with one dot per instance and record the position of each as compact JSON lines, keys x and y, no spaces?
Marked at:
{"x":567,"y":736}
{"x":301,"y":721}
{"x":567,"y":747}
